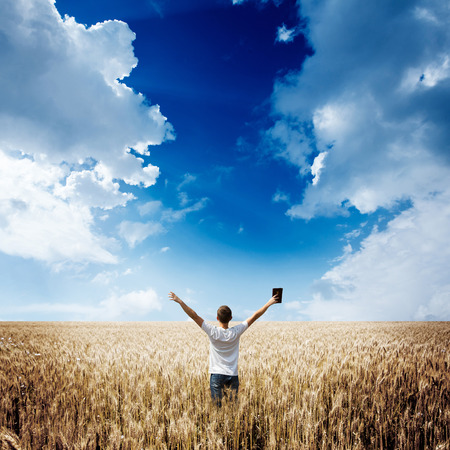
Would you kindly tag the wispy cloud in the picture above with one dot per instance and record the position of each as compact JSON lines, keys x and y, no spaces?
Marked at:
{"x":175,"y":215}
{"x":285,"y":34}
{"x":187,"y":179}
{"x":281,"y":197}
{"x":150,"y":208}
{"x":136,"y":232}
{"x":132,"y":305}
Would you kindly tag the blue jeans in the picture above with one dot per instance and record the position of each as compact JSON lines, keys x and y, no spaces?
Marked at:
{"x":217,"y":383}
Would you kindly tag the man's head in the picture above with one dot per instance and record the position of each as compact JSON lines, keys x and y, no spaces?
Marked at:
{"x":224,"y":314}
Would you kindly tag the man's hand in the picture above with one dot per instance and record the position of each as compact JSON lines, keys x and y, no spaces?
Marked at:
{"x":274,"y":300}
{"x":189,"y":311}
{"x":174,"y":297}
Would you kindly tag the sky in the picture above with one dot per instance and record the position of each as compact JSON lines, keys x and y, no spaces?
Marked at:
{"x":220,"y":148}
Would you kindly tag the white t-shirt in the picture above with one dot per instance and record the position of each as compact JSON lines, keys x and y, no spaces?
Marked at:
{"x":224,"y":347}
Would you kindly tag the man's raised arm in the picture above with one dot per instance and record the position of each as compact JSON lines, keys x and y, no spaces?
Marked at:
{"x":262,"y":310}
{"x":189,"y":311}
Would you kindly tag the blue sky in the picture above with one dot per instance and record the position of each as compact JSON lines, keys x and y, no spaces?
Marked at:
{"x":219,"y":149}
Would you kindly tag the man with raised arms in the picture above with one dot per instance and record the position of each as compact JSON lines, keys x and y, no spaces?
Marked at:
{"x":224,"y":345}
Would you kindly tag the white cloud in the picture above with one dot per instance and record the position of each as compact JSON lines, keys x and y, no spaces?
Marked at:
{"x":426,"y":75}
{"x":89,"y":188}
{"x":399,"y":273}
{"x":187,"y":179}
{"x":285,"y":35}
{"x":424,"y":14}
{"x":374,"y":98}
{"x":136,"y":303}
{"x":36,"y":223}
{"x":135,"y":232}
{"x":67,"y":76}
{"x":183,"y":198}
{"x":281,"y":197}
{"x":292,"y":142}
{"x":383,"y":144}
{"x":295,"y":305}
{"x":150,"y":208}
{"x":352,"y":234}
{"x":66,"y":109}
{"x":175,"y":215}
{"x":106,"y":277}
{"x":317,"y":166}
{"x":132,"y":305}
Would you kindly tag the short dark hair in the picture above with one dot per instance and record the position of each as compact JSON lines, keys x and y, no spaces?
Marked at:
{"x":224,"y":314}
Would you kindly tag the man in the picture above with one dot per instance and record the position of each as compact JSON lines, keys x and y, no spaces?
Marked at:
{"x":224,"y":345}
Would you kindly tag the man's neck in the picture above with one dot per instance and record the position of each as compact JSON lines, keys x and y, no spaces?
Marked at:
{"x":223,"y":325}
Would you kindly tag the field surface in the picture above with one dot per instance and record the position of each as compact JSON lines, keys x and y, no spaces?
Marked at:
{"x":302,"y":385}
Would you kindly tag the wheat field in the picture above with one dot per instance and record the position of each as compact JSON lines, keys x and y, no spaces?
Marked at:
{"x":302,"y":386}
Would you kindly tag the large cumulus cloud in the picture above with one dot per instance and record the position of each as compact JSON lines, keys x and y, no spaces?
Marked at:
{"x":366,"y":121}
{"x":65,"y":110}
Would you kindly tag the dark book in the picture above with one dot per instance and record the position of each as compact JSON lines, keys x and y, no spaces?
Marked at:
{"x":278,"y":291}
